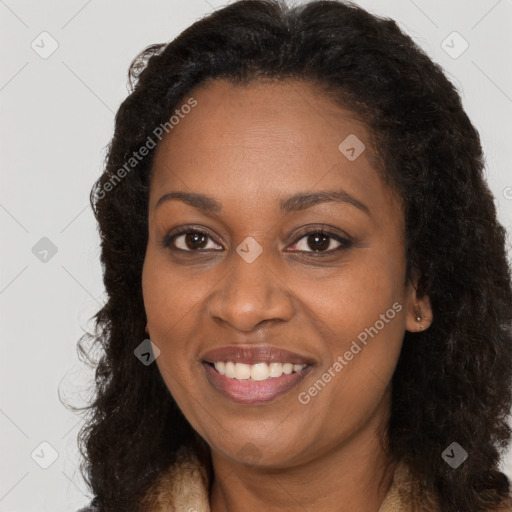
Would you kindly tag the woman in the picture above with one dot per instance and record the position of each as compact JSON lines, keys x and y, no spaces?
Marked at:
{"x":293,"y":211}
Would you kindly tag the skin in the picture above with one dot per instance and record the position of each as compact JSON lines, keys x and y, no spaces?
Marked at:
{"x":249,"y":147}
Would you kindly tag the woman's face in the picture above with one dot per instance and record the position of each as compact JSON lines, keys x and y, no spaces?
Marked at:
{"x":261,"y":172}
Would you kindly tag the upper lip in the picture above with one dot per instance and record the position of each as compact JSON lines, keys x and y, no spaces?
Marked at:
{"x":254,"y":354}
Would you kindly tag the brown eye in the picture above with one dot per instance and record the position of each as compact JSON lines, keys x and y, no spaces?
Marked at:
{"x":321,"y":242}
{"x":195,"y":240}
{"x":318,"y":242}
{"x":191,"y":240}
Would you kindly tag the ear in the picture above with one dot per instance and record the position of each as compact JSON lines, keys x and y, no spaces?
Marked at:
{"x":418,"y":309}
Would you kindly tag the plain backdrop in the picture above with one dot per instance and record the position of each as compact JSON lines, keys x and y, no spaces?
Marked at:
{"x":57,"y":112}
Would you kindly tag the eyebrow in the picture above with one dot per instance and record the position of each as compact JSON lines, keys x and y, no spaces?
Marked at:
{"x":297,"y":202}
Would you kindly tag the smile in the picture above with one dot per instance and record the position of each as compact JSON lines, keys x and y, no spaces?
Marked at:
{"x":253,"y":383}
{"x":258,"y":371}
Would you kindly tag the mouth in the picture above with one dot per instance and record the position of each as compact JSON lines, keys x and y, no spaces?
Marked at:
{"x":256,"y":372}
{"x":251,"y":354}
{"x":254,"y":383}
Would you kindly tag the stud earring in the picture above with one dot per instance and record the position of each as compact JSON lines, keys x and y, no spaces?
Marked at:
{"x":418,"y":318}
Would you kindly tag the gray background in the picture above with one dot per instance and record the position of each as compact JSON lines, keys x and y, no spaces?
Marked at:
{"x":57,"y":117}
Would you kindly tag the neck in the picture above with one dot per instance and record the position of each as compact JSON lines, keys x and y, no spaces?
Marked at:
{"x":354,"y":475}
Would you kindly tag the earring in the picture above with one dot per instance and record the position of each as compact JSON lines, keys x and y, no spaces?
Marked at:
{"x":418,"y":318}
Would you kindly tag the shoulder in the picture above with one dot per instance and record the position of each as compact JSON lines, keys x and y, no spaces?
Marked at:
{"x":506,"y":506}
{"x":405,"y":495}
{"x":183,"y":486}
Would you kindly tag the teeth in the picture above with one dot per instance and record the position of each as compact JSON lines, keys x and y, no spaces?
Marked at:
{"x":229,"y":370}
{"x":242,"y":371}
{"x":258,"y":371}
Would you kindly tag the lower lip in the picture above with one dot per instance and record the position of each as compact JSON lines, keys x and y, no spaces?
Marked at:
{"x":250,"y":391}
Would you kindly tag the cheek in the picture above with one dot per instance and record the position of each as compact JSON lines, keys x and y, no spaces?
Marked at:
{"x":175,"y":301}
{"x":360,"y":315}
{"x":353,"y":296}
{"x":171,"y":297}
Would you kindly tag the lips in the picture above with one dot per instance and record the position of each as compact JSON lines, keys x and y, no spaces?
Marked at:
{"x":251,"y":392}
{"x":254,"y":354}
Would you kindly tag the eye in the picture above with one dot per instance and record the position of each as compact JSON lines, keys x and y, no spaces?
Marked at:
{"x":318,"y":242}
{"x":191,"y":240}
{"x":321,"y":241}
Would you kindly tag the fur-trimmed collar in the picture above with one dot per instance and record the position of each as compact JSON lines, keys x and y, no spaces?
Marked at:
{"x":184,"y":488}
{"x":181,"y":488}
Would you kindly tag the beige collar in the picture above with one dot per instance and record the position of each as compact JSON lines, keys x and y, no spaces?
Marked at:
{"x":184,"y":488}
{"x":181,"y":488}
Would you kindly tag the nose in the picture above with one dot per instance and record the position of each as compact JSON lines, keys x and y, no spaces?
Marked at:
{"x":250,"y":294}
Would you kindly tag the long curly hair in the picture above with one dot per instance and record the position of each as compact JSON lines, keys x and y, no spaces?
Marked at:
{"x":452,"y":381}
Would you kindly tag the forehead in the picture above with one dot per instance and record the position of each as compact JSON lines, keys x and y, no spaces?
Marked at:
{"x":264,"y":138}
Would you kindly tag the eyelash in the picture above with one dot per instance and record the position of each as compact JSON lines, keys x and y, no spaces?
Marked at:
{"x":345,"y":243}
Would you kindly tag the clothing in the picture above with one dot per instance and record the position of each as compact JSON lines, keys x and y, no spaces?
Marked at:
{"x":184,"y":488}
